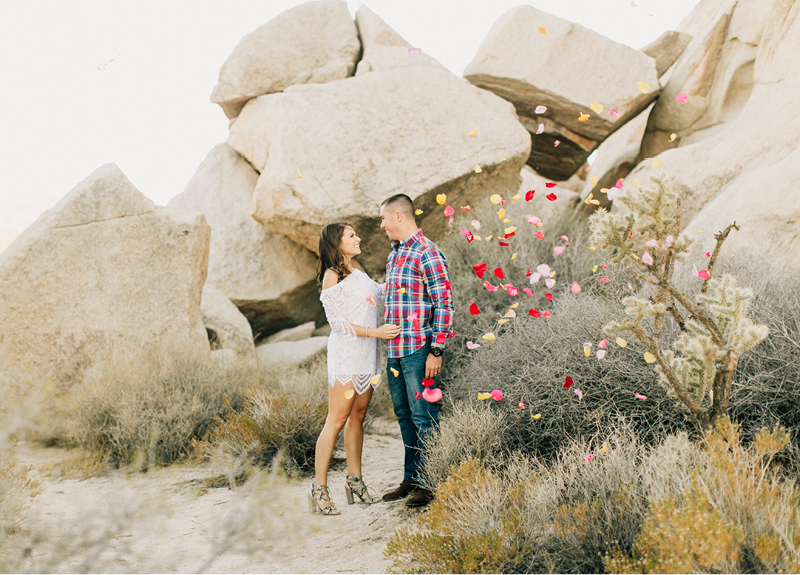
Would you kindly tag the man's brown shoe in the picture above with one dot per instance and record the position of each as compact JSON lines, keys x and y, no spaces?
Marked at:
{"x":404,"y":489}
{"x":420,"y":497}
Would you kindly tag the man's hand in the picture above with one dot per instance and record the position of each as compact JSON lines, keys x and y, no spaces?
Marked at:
{"x":433,"y":365}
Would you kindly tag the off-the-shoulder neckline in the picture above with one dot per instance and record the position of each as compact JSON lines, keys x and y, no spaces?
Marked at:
{"x":341,"y":282}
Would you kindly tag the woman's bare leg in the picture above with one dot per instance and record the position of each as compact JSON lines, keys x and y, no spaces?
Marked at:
{"x":339,"y":408}
{"x":354,"y":432}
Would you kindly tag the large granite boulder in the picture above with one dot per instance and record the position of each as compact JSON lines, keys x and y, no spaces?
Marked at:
{"x":103,"y":269}
{"x":567,"y":69}
{"x":666,"y":49}
{"x":382,"y":47}
{"x":335,"y":151}
{"x":271,"y":279}
{"x":737,"y":148}
{"x":227,"y":328}
{"x":311,"y":43}
{"x":290,"y":352}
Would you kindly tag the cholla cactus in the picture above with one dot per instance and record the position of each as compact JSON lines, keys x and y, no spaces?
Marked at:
{"x":715,"y":330}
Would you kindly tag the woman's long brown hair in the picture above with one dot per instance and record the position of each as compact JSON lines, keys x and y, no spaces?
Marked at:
{"x":330,"y":251}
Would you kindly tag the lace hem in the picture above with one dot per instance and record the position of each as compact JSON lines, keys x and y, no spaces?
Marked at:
{"x":360,"y":382}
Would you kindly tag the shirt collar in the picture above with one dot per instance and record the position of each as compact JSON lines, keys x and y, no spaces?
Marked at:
{"x":413,"y":238}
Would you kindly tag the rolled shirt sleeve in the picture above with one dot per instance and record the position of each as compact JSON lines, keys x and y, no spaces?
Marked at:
{"x":436,"y":278}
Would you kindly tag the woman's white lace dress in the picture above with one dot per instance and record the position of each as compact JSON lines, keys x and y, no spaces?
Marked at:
{"x":354,"y":300}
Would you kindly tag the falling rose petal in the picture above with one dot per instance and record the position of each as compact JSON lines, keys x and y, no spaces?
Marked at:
{"x":473,"y":132}
{"x":558,"y":250}
{"x":568,"y":382}
{"x":448,"y":211}
{"x":418,"y":395}
{"x":497,"y":395}
{"x":488,"y":336}
{"x":546,"y":314}
{"x":477,"y":169}
{"x":598,"y":108}
{"x":621,"y":342}
{"x":539,"y":235}
{"x":299,"y":175}
{"x":471,"y":345}
{"x":542,"y":30}
{"x":552,"y":197}
{"x":612,"y":193}
{"x":450,"y":223}
{"x":521,"y":405}
{"x":441,"y":199}
{"x":498,"y":272}
{"x":427,"y":382}
{"x":467,"y":234}
{"x":703,"y":274}
{"x":639,"y":396}
{"x":504,"y":244}
{"x":656,"y":163}
{"x":514,"y":255}
{"x":414,"y":52}
{"x":550,"y":184}
{"x":613,"y":113}
{"x":529,"y":195}
{"x":594,"y":269}
{"x":566,"y":239}
{"x":588,"y":457}
{"x":509,"y":231}
{"x":708,"y":254}
{"x":682,"y":98}
{"x":549,"y":297}
{"x":440,"y":338}
{"x":602,"y":343}
{"x":605,"y":266}
{"x":480,"y":269}
{"x":540,"y":110}
{"x":375,"y":379}
{"x":556,"y":143}
{"x":534,"y":313}
{"x":371,"y":300}
{"x":575,"y":287}
{"x":490,"y":287}
{"x":473,"y":308}
{"x":535,"y":277}
{"x":644,"y":88}
{"x":620,"y":183}
{"x":432,"y":395}
{"x":549,"y":283}
{"x":496,"y":199}
{"x":476,"y":224}
{"x":584,"y":116}
{"x":394,"y":371}
{"x":586,"y":351}
{"x":651,"y":244}
{"x":484,"y":396}
{"x":466,"y":208}
{"x":603,"y":280}
{"x":540,"y":129}
{"x":668,"y":241}
{"x":349,"y":394}
{"x":647,"y":258}
{"x":401,"y":291}
{"x":512,"y":291}
{"x":579,"y":393}
{"x":537,"y":416}
{"x":595,"y":179}
{"x":601,"y":353}
{"x":672,"y":138}
{"x":528,"y":291}
{"x":417,"y":212}
{"x":604,"y":449}
{"x":649,"y":357}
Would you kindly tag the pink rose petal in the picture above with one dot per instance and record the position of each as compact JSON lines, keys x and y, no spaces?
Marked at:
{"x":602,"y":343}
{"x":513,"y":291}
{"x":558,"y":250}
{"x":432,"y":394}
{"x":647,"y":258}
{"x":619,"y":183}
{"x":556,"y":143}
{"x":579,"y":393}
{"x":448,"y":211}
{"x":497,"y":395}
{"x":613,"y":113}
{"x":539,"y":235}
{"x":540,"y":129}
{"x":540,"y":110}
{"x":471,"y":345}
{"x":651,"y":244}
{"x":566,"y":239}
{"x":543,"y":269}
{"x":528,"y":291}
{"x":639,"y":396}
{"x":601,"y":353}
{"x":535,"y":277}
{"x":546,"y":314}
{"x":603,"y":280}
{"x":575,"y":287}
{"x":549,"y":283}
{"x":682,"y":98}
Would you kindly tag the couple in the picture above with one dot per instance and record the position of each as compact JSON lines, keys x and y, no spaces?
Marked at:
{"x":418,"y":311}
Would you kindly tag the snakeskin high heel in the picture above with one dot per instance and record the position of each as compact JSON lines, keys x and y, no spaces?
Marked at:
{"x":356,"y":486}
{"x":320,"y":500}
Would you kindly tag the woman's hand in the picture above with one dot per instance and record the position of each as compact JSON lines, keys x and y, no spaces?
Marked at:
{"x":386,"y":331}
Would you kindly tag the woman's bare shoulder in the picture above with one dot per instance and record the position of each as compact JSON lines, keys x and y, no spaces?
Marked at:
{"x":330,"y":279}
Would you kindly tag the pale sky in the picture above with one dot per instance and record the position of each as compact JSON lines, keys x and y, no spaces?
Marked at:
{"x":88,"y":82}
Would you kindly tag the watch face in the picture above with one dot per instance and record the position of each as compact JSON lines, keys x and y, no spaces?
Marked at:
{"x":436,"y":352}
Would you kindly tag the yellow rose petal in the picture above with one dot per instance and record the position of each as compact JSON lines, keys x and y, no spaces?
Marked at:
{"x":592,"y":249}
{"x":672,"y":137}
{"x":583,"y":117}
{"x":594,"y":270}
{"x":417,"y":212}
{"x":488,"y":238}
{"x":621,"y":342}
{"x":537,"y":416}
{"x":553,"y":274}
{"x":635,"y":184}
{"x":514,"y":256}
{"x":643,"y":87}
{"x":515,"y":198}
{"x":463,"y":157}
{"x":476,"y":237}
{"x":441,"y":199}
{"x":515,"y":306}
{"x":401,"y":291}
{"x":299,"y":175}
{"x":656,"y":163}
{"x":506,"y":221}
{"x":598,"y":108}
{"x":478,"y":169}
{"x":595,"y":179}
{"x":501,"y":213}
{"x":349,"y":394}
{"x":488,"y":336}
{"x":473,"y":132}
{"x":482,"y":396}
{"x":586,"y":351}
{"x":510,"y":313}
{"x":510,"y":229}
{"x":604,"y":449}
{"x":542,"y":30}
{"x":501,"y":321}
{"x":394,"y":371}
{"x":496,"y":199}
{"x":649,"y":357}
{"x":375,"y":379}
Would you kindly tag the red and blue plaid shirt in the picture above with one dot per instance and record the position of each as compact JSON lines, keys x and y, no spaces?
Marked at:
{"x":418,"y":295}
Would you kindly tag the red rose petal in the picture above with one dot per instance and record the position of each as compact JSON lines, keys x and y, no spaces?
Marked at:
{"x":529,"y":195}
{"x":549,"y":297}
{"x":551,"y":184}
{"x":568,"y":382}
{"x":534,"y":313}
{"x":552,"y":197}
{"x":473,"y":308}
{"x":479,"y":269}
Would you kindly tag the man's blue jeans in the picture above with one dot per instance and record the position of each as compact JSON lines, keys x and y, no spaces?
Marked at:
{"x":417,"y":417}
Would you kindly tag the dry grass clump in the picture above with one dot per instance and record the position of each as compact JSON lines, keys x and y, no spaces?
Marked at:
{"x":149,"y":407}
{"x":614,"y":504}
{"x":285,"y":414}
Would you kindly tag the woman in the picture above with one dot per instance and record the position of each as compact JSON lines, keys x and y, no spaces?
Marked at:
{"x":350,"y":299}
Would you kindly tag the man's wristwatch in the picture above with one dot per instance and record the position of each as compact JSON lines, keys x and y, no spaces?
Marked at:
{"x":437,"y":351}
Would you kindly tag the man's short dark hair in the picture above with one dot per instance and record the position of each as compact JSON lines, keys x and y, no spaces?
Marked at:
{"x":402,"y":203}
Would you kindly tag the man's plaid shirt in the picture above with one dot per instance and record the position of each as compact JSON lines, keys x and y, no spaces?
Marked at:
{"x":418,"y":295}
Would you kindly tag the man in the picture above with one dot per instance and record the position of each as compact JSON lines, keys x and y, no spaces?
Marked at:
{"x":418,"y":298}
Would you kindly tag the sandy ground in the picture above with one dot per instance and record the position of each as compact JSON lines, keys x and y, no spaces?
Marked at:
{"x":169,"y":520}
